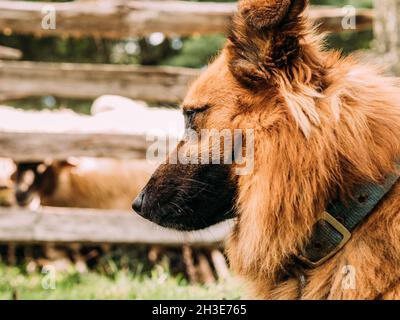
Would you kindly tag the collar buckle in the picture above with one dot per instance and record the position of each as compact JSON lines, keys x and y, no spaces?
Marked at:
{"x":340,"y":228}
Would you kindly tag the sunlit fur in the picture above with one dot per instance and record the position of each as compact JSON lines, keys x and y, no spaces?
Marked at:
{"x":323,"y":124}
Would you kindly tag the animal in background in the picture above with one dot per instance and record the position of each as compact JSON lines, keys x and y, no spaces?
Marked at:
{"x":7,"y":168}
{"x":81,"y":183}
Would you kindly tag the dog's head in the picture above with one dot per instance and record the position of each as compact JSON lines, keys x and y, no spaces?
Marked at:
{"x":189,"y":195}
{"x":236,"y":92}
{"x":34,"y":180}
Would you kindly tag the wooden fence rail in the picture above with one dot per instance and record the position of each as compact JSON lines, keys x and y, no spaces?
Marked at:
{"x":89,"y":81}
{"x":120,"y":19}
{"x":89,"y":226}
{"x":34,"y":146}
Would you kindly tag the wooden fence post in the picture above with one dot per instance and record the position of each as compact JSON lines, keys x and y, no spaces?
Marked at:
{"x":387,"y":33}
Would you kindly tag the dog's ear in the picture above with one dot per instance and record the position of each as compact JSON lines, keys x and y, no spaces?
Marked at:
{"x":265,"y":37}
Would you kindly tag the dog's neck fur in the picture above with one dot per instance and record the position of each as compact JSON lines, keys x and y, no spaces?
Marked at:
{"x":319,"y":144}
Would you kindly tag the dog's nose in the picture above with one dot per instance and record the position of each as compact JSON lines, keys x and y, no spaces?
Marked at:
{"x":138,"y":203}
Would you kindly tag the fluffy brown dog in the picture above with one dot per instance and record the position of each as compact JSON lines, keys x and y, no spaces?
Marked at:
{"x":322,"y":125}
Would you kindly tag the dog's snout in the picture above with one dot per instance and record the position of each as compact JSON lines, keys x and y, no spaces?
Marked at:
{"x":138,"y":203}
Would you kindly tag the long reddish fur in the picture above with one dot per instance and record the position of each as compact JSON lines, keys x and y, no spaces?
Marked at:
{"x":323,"y":124}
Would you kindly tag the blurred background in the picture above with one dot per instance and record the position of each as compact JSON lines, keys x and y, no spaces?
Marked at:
{"x":82,"y":84}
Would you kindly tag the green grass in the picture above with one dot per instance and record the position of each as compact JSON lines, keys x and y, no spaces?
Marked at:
{"x":38,"y":104}
{"x":159,"y":284}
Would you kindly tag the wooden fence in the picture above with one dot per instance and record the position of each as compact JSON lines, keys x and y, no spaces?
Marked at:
{"x":89,"y":226}
{"x":118,"y":19}
{"x":115,"y":20}
{"x":33,"y":146}
{"x":89,"y":81}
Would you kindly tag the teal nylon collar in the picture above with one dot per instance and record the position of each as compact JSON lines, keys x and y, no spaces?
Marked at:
{"x":333,"y":231}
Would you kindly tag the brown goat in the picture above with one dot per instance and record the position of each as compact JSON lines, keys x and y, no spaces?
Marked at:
{"x":82,"y":183}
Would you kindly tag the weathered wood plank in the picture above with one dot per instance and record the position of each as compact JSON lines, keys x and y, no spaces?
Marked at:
{"x":33,"y":146}
{"x":7,"y":96}
{"x":89,"y":81}
{"x":10,"y":53}
{"x":118,"y":19}
{"x":87,"y":226}
{"x":118,"y":128}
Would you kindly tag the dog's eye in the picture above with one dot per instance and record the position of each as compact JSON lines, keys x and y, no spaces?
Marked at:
{"x":189,"y":117}
{"x":191,"y":114}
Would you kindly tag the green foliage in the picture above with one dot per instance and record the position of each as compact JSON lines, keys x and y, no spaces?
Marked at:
{"x":53,"y":49}
{"x":15,"y":282}
{"x":43,"y":103}
{"x":347,"y":42}
{"x":196,"y":51}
